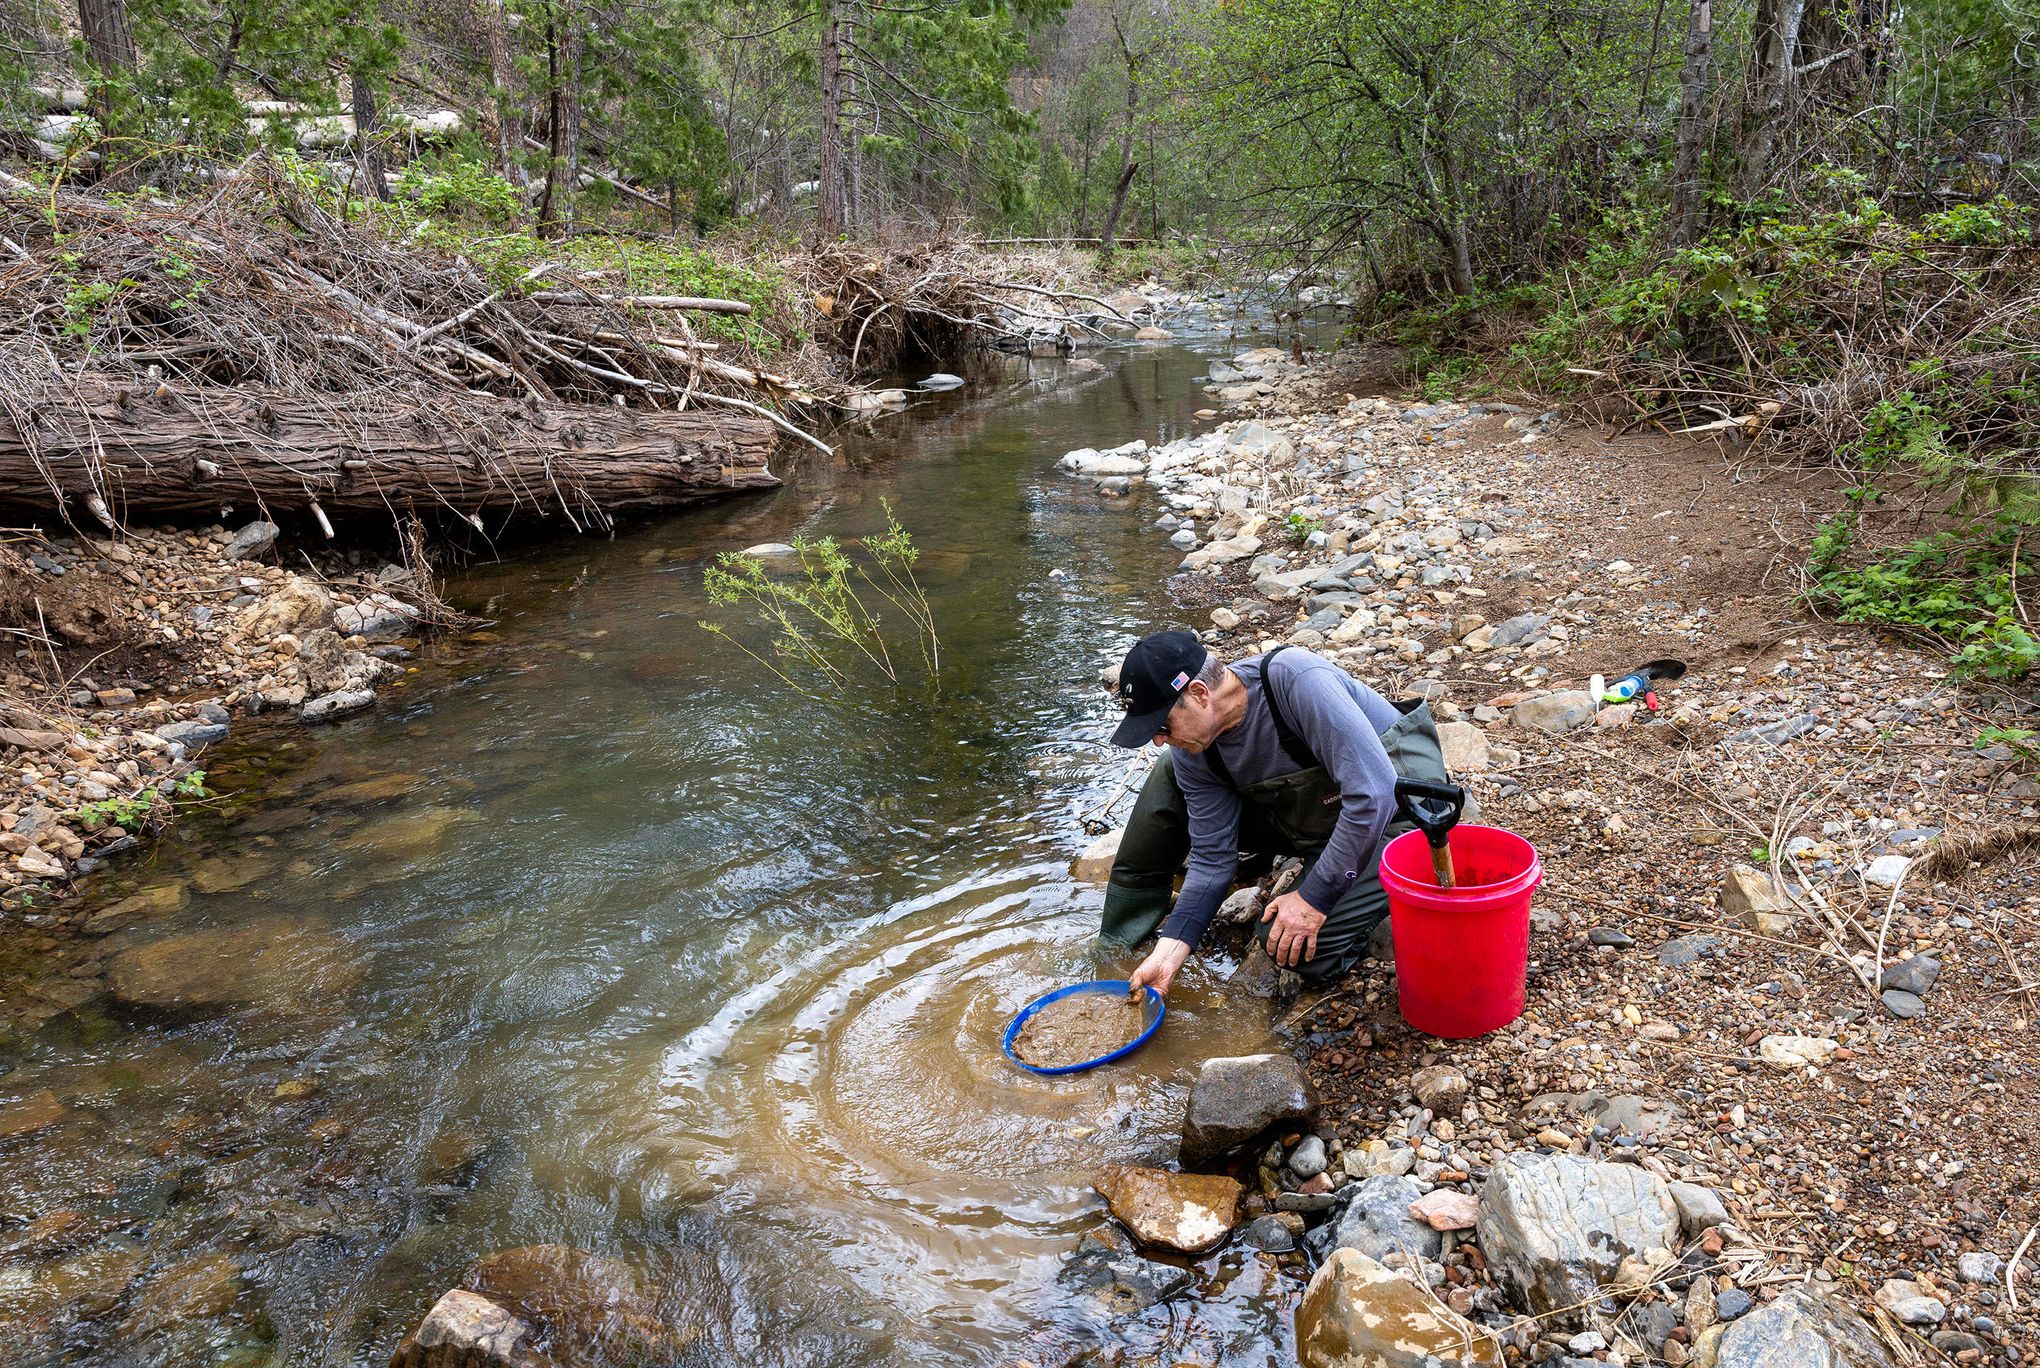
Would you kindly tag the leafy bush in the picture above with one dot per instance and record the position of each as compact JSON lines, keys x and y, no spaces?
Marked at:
{"x":1956,"y":586}
{"x":460,"y":187}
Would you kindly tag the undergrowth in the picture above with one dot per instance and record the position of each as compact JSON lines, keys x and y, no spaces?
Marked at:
{"x":1902,"y":350}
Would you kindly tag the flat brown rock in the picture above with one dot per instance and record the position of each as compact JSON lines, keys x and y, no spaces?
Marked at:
{"x":35,"y":1112}
{"x":278,"y":962}
{"x":1189,"y":1212}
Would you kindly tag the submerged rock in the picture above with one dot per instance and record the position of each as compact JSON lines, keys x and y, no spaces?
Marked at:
{"x":1122,"y":1283}
{"x":1556,"y":1227}
{"x":276,"y":962}
{"x":1187,"y":1212}
{"x":1236,"y":1098}
{"x":37,"y":1111}
{"x":1095,"y":864}
{"x":1358,"y":1314}
{"x":586,"y":1307}
{"x":468,"y":1330}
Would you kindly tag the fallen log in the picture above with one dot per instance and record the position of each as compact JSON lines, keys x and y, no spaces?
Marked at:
{"x":121,"y":449}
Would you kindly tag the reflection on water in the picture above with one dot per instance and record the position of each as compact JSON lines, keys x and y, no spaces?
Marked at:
{"x":613,"y":941}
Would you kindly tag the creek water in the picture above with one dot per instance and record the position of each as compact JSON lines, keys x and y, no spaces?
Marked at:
{"x":616,"y":941}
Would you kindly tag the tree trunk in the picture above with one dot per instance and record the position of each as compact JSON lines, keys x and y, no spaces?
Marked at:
{"x":503,"y":90}
{"x":144,"y":451}
{"x":1127,"y":171}
{"x":110,"y":49}
{"x":553,"y":121}
{"x":367,"y":132}
{"x":570,"y":113}
{"x":1692,"y":137}
{"x":829,"y":195}
{"x":1774,"y":51}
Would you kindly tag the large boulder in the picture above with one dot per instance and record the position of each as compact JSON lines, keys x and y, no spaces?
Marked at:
{"x":468,"y":1330}
{"x":1465,"y":747}
{"x":1376,"y":1221}
{"x":1186,"y":1212}
{"x":1358,"y":1314}
{"x":1802,"y":1328}
{"x":377,"y":618}
{"x":1237,"y":1097}
{"x":1555,"y":1227}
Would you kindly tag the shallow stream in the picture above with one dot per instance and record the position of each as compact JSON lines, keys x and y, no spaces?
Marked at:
{"x":603,"y":936}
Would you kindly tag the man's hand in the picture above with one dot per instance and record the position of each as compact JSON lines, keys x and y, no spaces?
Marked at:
{"x":1293,"y":938}
{"x":1158,"y":970}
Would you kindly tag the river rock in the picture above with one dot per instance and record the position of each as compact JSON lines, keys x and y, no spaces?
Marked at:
{"x":1748,"y":897}
{"x":322,"y":660}
{"x":1236,"y":1098}
{"x":1557,"y":1226}
{"x":1447,"y":1209}
{"x":1564,"y":711}
{"x":1915,"y":974}
{"x":942,"y":380}
{"x":197,"y":1289}
{"x":1358,"y":1314}
{"x":1119,"y":461}
{"x":37,"y":1111}
{"x":156,"y":901}
{"x":1901,"y":1004}
{"x":468,"y":1330}
{"x":1152,"y":334}
{"x":1699,"y":1207}
{"x":1269,"y":1234}
{"x":1376,"y":1221}
{"x":377,"y":618}
{"x":1980,"y":1266}
{"x":1094,"y":866}
{"x":252,"y":540}
{"x":1465,"y":747}
{"x":1789,"y":1052}
{"x":330,"y":707}
{"x":584,"y":1306}
{"x":1123,"y":1284}
{"x":1440,"y":1088}
{"x":1308,"y":1159}
{"x":282,"y":963}
{"x":1911,"y":1302}
{"x":1802,"y":1328}
{"x":1186,"y":1212}
{"x":296,"y":605}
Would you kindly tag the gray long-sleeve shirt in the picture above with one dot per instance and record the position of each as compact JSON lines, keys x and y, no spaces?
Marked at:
{"x":1341,"y":720}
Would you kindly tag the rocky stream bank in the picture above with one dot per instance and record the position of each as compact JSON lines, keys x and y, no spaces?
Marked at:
{"x":1763,"y":1106}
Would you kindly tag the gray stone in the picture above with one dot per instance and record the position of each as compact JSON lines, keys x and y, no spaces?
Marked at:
{"x":1183,"y":538}
{"x":1802,"y":1328}
{"x":252,"y":540}
{"x":1123,"y":1283}
{"x":377,"y":618}
{"x":192,"y":734}
{"x":1269,"y":1234}
{"x":1524,"y":627}
{"x":1377,"y":1221}
{"x":1610,"y":937}
{"x":1308,"y":1159}
{"x":942,"y":380}
{"x":1915,"y":974}
{"x":1911,"y":1303}
{"x":1237,"y":1097}
{"x":1886,"y":870}
{"x":770,"y":550}
{"x":1902,"y":1004}
{"x":1699,"y":1207}
{"x":1556,"y":1227}
{"x":1654,"y":1321}
{"x":1683,"y":950}
{"x":338,"y":704}
{"x":1564,"y":711}
{"x":1732,"y":1304}
{"x":1978,"y":1266}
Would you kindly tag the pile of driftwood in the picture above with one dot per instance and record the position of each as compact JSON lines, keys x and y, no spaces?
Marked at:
{"x":879,"y":304}
{"x":246,"y":354}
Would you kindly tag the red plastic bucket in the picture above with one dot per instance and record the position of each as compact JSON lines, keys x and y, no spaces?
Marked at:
{"x":1461,"y":953}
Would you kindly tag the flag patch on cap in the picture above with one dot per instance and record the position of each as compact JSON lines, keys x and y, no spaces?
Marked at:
{"x":1180,"y":680}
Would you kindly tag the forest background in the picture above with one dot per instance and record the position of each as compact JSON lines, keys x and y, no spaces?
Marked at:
{"x":1801,"y":224}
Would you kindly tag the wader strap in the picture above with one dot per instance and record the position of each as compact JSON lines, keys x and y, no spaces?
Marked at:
{"x":1293,"y":745}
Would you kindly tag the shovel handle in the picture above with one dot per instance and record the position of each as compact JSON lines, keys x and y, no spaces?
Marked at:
{"x":1441,"y":865}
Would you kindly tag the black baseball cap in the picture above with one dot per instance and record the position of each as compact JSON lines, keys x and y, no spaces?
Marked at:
{"x":1156,"y":671}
